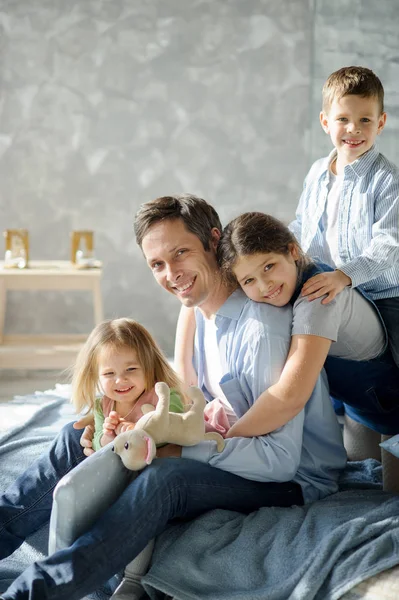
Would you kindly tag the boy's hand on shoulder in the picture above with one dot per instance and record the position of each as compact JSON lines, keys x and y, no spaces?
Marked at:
{"x":327,"y":284}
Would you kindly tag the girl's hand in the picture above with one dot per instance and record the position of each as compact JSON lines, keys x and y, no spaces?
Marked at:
{"x":111,"y":423}
{"x":327,"y":284}
{"x":123,"y":426}
{"x":106,"y":439}
{"x":110,"y":426}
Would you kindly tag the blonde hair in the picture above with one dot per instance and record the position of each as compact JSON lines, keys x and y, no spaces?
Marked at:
{"x":356,"y":81}
{"x":114,"y":335}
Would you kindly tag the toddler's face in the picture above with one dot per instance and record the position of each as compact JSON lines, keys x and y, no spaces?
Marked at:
{"x":353,"y":123}
{"x":268,"y":277}
{"x":121,"y":375}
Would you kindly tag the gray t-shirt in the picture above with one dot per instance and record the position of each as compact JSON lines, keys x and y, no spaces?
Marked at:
{"x":349,"y":321}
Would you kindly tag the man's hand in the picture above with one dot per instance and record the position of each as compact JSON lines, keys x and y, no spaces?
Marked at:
{"x":330,"y":283}
{"x":87,"y":436}
{"x":169,"y":451}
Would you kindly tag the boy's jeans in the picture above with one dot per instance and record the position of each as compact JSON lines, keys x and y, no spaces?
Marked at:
{"x":389,"y":309}
{"x":167,"y":489}
{"x":369,"y":390}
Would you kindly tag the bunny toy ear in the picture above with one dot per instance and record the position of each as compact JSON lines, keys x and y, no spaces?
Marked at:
{"x":148,"y":458}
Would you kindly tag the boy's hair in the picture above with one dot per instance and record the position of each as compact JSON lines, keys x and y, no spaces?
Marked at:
{"x":357,"y":81}
{"x":198,"y":216}
{"x":115,"y":335}
{"x":255,"y":233}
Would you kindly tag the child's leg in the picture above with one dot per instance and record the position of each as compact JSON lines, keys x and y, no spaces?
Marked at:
{"x":360,"y":441}
{"x":389,"y":309}
{"x":130,"y":587}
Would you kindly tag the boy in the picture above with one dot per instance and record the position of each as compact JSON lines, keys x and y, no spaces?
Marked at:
{"x":348,"y":213}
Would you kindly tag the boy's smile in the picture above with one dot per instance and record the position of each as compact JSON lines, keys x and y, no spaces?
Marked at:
{"x":353,"y":123}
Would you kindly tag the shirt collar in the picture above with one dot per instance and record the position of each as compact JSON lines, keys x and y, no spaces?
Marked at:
{"x":360,"y":166}
{"x":233,"y":306}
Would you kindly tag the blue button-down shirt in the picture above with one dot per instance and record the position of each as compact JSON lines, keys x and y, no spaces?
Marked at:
{"x":253,"y":341}
{"x":368,"y":221}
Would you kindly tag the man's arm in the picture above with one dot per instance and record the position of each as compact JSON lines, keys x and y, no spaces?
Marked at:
{"x":184,"y":346}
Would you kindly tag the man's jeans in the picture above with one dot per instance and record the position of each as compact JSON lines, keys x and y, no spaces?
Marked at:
{"x":26,"y":506}
{"x":167,"y":489}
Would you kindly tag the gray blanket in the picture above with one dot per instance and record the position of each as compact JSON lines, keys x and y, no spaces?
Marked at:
{"x":302,"y":553}
{"x":315,"y":552}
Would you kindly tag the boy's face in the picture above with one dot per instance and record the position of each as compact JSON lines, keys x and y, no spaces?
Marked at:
{"x":353,"y":123}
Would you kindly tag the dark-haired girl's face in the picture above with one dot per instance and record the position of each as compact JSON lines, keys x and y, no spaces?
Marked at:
{"x":268,"y":277}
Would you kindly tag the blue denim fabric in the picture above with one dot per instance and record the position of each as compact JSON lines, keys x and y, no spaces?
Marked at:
{"x":167,"y":489}
{"x":26,"y":505}
{"x":369,"y":389}
{"x":389,"y":309}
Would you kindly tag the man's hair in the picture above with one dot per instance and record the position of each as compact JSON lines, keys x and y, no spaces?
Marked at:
{"x":198,"y":216}
{"x":255,"y":233}
{"x":356,"y":81}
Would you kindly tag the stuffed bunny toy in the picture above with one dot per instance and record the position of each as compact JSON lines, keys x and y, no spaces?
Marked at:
{"x":137,"y":447}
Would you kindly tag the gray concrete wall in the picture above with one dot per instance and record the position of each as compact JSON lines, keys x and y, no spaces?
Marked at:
{"x":106,"y":104}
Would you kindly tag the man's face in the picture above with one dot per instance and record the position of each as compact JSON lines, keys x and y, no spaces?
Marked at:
{"x":179,"y":262}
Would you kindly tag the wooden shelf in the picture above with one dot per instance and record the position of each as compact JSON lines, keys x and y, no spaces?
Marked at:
{"x":45,"y":351}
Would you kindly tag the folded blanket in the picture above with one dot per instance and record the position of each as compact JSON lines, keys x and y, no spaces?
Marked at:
{"x":313,"y":552}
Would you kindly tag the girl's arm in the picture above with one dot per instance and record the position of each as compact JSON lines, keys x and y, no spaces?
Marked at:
{"x":184,"y":346}
{"x":282,"y":401}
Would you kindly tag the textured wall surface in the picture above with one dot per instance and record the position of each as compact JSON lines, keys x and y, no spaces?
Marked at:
{"x":362,"y":32}
{"x":106,"y":104}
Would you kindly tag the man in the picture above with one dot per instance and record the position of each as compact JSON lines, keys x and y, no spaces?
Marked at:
{"x":246,"y":345}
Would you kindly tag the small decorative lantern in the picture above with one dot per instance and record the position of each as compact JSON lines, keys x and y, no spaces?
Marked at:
{"x":17,"y":248}
{"x":82,"y":244}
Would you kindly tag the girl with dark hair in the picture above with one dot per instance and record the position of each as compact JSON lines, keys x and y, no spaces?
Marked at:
{"x":260,"y":254}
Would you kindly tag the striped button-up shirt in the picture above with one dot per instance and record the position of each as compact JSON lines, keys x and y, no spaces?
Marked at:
{"x":368,"y":221}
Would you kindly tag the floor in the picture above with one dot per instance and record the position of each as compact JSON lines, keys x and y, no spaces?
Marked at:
{"x":19,"y":383}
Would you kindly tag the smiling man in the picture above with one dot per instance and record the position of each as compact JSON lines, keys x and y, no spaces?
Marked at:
{"x":240,"y":350}
{"x":180,"y":265}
